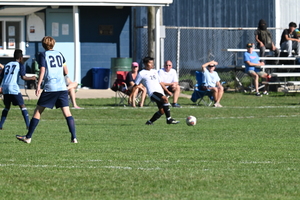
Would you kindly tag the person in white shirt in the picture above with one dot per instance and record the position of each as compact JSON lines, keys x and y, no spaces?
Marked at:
{"x":212,"y":81}
{"x":169,"y":78}
{"x":155,"y":89}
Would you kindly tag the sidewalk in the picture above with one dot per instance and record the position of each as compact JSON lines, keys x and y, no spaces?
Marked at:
{"x":80,"y":94}
{"x":87,"y":94}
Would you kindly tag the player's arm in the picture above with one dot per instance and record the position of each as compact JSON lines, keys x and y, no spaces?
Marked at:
{"x":29,"y":78}
{"x":42,"y":74}
{"x":23,"y":76}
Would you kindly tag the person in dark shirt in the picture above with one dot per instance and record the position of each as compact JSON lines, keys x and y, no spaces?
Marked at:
{"x":135,"y":89}
{"x":263,"y":38}
{"x":289,"y":40}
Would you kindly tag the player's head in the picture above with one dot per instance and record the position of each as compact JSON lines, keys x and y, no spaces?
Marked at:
{"x":148,"y":62}
{"x":18,"y":54}
{"x":48,"y":42}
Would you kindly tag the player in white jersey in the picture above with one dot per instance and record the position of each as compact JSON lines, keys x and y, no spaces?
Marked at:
{"x":55,"y":93}
{"x":155,"y":89}
{"x":10,"y":88}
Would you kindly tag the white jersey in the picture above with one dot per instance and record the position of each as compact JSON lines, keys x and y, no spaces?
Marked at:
{"x":150,"y":79}
{"x":211,"y":79}
{"x":168,"y":77}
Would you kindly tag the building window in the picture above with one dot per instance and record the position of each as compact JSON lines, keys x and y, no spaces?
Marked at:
{"x":11,"y":36}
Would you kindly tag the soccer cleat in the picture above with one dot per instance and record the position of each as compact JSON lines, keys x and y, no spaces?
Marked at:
{"x":74,"y":141}
{"x":149,"y":123}
{"x":176,"y":105}
{"x":258,"y":94}
{"x":172,"y":121}
{"x":23,"y":138}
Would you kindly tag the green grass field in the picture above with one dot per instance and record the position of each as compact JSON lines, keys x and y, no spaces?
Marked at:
{"x":249,"y":149}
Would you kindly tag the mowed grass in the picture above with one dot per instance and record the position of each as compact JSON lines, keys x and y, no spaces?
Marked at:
{"x":249,"y":149}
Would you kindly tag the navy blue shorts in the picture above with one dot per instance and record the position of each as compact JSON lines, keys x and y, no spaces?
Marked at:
{"x":16,"y":100}
{"x":50,"y":99}
{"x":157,"y":98}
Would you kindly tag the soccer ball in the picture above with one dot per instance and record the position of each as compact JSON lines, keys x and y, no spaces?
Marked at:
{"x":191,"y":120}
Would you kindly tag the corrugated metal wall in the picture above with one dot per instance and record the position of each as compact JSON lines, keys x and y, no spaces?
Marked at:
{"x":220,"y":13}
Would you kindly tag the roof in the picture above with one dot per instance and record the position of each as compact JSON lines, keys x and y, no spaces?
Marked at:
{"x":87,"y":2}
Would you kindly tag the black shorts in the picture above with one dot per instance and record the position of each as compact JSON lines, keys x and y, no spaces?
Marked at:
{"x":49,"y":99}
{"x":16,"y":100}
{"x":157,"y":98}
{"x":171,"y":89}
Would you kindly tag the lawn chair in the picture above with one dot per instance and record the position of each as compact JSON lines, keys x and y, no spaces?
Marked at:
{"x":199,"y":95}
{"x":121,"y":89}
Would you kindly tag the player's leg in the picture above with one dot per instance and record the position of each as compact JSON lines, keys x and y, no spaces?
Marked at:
{"x":46,"y":100}
{"x":163,"y":105}
{"x":70,"y":123}
{"x":32,"y":125}
{"x":18,"y":100}
{"x":7,"y":103}
{"x":159,"y":113}
{"x":62,"y":102}
{"x":25,"y":115}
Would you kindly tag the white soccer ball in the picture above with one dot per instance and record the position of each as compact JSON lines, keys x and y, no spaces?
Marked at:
{"x":191,"y":120}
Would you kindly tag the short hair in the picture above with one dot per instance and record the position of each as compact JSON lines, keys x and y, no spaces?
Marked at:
{"x":18,"y":54}
{"x":147,"y":59}
{"x":293,"y":24}
{"x":48,"y":42}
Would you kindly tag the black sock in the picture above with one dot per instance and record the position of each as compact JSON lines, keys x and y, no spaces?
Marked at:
{"x":155,"y":117}
{"x":167,"y":110}
{"x":3,"y":116}
{"x":32,"y":125}
{"x":71,"y":125}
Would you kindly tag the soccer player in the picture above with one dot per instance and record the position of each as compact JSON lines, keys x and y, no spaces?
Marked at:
{"x":10,"y":88}
{"x":52,"y":71}
{"x":155,"y":89}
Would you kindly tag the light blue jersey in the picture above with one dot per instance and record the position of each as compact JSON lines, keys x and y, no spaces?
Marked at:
{"x":11,"y":73}
{"x":54,"y":75}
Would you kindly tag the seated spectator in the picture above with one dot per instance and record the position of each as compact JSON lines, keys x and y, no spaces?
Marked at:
{"x":253,"y":64}
{"x":72,"y":86}
{"x":289,"y":40}
{"x":212,"y":82}
{"x":135,"y":89}
{"x":263,"y":38}
{"x":169,"y":78}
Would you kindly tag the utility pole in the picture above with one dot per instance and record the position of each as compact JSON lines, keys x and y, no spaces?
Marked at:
{"x":151,"y":27}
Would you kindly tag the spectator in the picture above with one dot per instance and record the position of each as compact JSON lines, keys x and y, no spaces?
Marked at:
{"x":11,"y":91}
{"x":72,"y":86}
{"x":289,"y":40}
{"x":169,"y":78}
{"x":264,"y":41}
{"x":253,"y":64}
{"x":150,"y":79}
{"x":212,"y":82}
{"x":135,"y":89}
{"x":52,"y":71}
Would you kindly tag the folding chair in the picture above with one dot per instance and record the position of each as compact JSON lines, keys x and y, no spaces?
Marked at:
{"x":121,"y":89}
{"x":199,"y":95}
